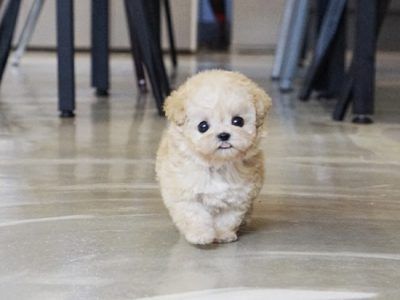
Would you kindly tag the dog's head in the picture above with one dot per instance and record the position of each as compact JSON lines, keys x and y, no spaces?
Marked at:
{"x":220,"y":113}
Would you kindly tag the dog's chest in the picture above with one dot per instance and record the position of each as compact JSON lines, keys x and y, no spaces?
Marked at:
{"x":223,"y":187}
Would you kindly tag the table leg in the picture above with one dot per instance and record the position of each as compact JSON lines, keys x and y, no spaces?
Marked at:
{"x":65,"y":55}
{"x":100,"y":46}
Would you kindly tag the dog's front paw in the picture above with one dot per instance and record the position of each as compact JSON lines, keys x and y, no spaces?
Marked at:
{"x":226,"y":237}
{"x":200,"y":238}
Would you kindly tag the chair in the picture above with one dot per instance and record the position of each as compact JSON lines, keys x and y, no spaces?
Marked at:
{"x":357,"y":84}
{"x":144,"y":38}
{"x":290,"y":43}
{"x":331,"y":32}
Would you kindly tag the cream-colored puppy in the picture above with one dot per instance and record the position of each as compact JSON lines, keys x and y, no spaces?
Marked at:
{"x":208,"y":164}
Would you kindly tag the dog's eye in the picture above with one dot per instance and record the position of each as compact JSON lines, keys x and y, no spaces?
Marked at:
{"x":237,"y":121}
{"x":203,"y":126}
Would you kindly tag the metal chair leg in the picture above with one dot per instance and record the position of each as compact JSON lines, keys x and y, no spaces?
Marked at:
{"x":100,"y":46}
{"x":152,"y":8}
{"x":283,"y":38}
{"x":345,"y":96}
{"x":329,"y":84}
{"x":136,"y":53}
{"x":150,"y":49}
{"x":359,"y":86}
{"x":65,"y":55}
{"x":171,"y":37}
{"x":327,"y":33}
{"x":295,"y":44}
{"x":368,"y":24}
{"x":3,"y":8}
{"x":27,"y":31}
{"x":7,"y":27}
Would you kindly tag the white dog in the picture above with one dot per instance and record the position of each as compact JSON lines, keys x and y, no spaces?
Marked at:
{"x":208,"y":164}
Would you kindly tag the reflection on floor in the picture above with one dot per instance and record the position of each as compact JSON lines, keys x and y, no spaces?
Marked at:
{"x":81,"y":215}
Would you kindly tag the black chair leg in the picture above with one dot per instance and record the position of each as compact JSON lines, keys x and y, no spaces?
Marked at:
{"x":171,"y":37}
{"x":100,"y":46}
{"x":7,"y":28}
{"x":156,"y":88}
{"x":321,"y":8}
{"x":150,"y":49}
{"x":329,"y":83}
{"x":136,"y":55}
{"x":65,"y":55}
{"x":152,"y":8}
{"x":327,"y":33}
{"x":362,"y":62}
{"x":345,"y":97}
{"x":369,"y":20}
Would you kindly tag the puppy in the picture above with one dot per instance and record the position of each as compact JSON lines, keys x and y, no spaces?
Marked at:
{"x":209,"y":166}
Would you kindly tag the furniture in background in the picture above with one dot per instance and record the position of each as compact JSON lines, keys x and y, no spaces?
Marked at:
{"x":144,"y":30}
{"x":27,"y":31}
{"x":8,"y":17}
{"x":327,"y":67}
{"x":359,"y":83}
{"x":326,"y":72}
{"x":290,"y":43}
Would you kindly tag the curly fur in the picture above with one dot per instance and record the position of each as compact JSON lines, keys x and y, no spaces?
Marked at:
{"x":209,"y":191}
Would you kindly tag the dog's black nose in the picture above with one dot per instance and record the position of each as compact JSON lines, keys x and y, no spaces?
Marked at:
{"x":224,"y":136}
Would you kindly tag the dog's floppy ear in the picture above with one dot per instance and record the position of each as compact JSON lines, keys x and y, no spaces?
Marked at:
{"x":262,"y":103}
{"x":174,"y":107}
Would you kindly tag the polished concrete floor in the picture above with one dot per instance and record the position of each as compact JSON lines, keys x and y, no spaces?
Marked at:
{"x":81,"y":215}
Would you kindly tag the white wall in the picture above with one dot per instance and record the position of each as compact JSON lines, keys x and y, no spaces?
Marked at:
{"x":256,"y":23}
